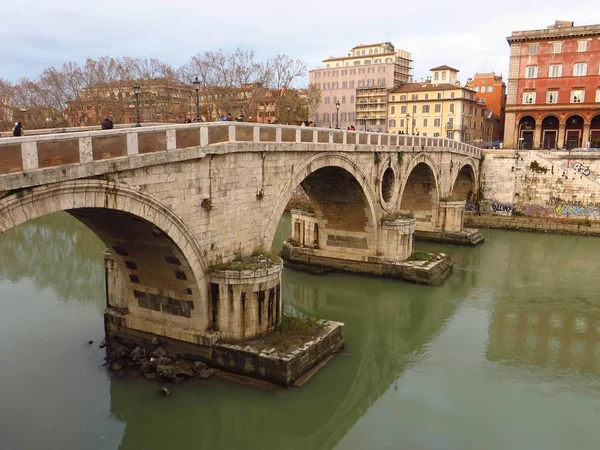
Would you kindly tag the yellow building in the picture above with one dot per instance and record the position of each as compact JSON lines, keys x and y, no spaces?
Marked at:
{"x":438,"y":107}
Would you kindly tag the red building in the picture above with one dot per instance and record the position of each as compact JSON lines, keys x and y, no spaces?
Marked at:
{"x":554,"y":88}
{"x":491,"y":91}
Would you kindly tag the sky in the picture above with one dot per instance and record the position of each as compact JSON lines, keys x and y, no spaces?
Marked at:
{"x":469,"y":36}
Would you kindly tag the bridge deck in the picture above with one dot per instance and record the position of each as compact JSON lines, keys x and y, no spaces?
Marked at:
{"x":21,"y":158}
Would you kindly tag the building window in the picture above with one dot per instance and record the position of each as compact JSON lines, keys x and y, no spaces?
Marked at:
{"x":352,"y":99}
{"x":557,"y":47}
{"x":351,"y":84}
{"x":450,"y":123}
{"x":415,"y":97}
{"x":347,"y":63}
{"x":376,"y":50}
{"x":357,"y":63}
{"x":378,"y":61}
{"x":343,"y":99}
{"x":335,"y":85}
{"x":327,"y":100}
{"x":392,"y":123}
{"x":393,"y":110}
{"x":555,"y":71}
{"x":490,"y":88}
{"x":362,"y":52}
{"x":403,"y":98}
{"x":426,"y":96}
{"x":436,"y":134}
{"x":327,"y":66}
{"x":370,"y":51}
{"x":443,"y":75}
{"x":403,"y":109}
{"x":437,"y":122}
{"x":361,"y":83}
{"x":316,"y":117}
{"x":388,"y":60}
{"x":401,"y":123}
{"x":533,"y":49}
{"x":552,"y":97}
{"x":393,"y":98}
{"x":424,"y":122}
{"x":451,"y":107}
{"x":425,"y":109}
{"x":438,"y":108}
{"x":414,"y":109}
{"x":582,"y":46}
{"x":439,"y":95}
{"x":451,"y":94}
{"x":424,"y":134}
{"x":344,"y":84}
{"x":580,"y":70}
{"x":528,"y":98}
{"x":598,"y":96}
{"x":577,"y":96}
{"x":531,"y":72}
{"x":436,"y":75}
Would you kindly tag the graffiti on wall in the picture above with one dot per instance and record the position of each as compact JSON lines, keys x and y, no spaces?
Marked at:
{"x":582,"y":169}
{"x":535,"y":167}
{"x":563,"y":208}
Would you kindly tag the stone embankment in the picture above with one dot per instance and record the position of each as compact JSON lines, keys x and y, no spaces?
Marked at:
{"x":535,"y":224}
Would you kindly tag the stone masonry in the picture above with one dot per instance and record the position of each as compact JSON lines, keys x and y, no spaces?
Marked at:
{"x":170,"y":201}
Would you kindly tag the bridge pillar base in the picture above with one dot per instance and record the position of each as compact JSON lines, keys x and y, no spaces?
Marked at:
{"x":467,"y":236}
{"x":450,"y":216}
{"x":244,"y":304}
{"x":395,"y":239}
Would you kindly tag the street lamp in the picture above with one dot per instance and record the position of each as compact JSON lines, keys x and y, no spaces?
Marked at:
{"x":196,"y":84}
{"x":288,"y":107}
{"x":136,"y":90}
{"x":448,"y":130}
{"x":337,"y":114}
{"x":407,"y":119}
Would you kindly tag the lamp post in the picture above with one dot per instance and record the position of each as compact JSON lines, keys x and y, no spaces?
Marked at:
{"x":288,"y":107}
{"x":337,"y":114}
{"x":196,"y":84}
{"x":448,"y":130}
{"x":407,"y":119}
{"x":136,"y":90}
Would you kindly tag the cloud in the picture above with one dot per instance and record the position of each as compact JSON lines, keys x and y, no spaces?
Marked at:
{"x":467,"y":36}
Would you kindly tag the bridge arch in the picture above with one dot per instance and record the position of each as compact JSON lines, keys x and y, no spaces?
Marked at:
{"x":158,"y":265}
{"x":322,"y":168}
{"x":465,"y":179}
{"x":420,"y":191}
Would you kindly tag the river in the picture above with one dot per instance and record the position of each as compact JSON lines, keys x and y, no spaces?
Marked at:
{"x":504,"y":355}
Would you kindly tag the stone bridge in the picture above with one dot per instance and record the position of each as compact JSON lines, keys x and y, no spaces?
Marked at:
{"x":171,"y":201}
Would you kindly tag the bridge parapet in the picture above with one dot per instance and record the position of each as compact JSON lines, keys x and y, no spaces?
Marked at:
{"x":31,"y":153}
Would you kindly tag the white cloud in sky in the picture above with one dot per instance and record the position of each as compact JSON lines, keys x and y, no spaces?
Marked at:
{"x":468,"y":36}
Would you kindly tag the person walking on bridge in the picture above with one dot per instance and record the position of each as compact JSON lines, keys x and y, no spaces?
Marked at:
{"x":107,"y":123}
{"x":18,"y":129}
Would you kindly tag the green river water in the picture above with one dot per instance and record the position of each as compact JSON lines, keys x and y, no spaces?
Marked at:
{"x":504,"y":355}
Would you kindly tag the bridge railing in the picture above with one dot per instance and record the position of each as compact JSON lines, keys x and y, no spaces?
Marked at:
{"x":21,"y":154}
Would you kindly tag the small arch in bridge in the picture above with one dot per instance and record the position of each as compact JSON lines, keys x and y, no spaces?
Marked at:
{"x":420,"y":196}
{"x":464,"y":187}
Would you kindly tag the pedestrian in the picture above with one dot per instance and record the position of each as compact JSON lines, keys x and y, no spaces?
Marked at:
{"x":18,"y":129}
{"x":107,"y":123}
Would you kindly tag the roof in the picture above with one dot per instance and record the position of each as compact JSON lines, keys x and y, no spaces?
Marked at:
{"x":378,"y":44}
{"x":416,"y":87}
{"x":445,"y":67}
{"x":554,"y":33}
{"x":373,"y":56}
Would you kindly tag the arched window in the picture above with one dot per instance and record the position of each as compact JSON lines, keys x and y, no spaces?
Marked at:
{"x":436,"y":75}
{"x":443,"y":75}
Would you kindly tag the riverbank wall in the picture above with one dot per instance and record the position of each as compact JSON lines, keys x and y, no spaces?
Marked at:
{"x":535,"y":224}
{"x":555,"y":184}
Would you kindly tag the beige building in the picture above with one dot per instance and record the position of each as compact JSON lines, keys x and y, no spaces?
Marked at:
{"x":375,"y":65}
{"x":439,"y":107}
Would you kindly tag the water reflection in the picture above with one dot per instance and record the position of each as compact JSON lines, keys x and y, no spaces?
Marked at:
{"x":58,"y":252}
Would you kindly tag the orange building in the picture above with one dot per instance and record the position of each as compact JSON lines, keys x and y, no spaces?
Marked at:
{"x":491,"y":91}
{"x":554,"y":88}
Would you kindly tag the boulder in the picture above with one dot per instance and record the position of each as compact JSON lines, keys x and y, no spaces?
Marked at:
{"x":206,"y":373}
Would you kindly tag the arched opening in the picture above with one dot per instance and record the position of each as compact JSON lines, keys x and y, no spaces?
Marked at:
{"x":328,"y":191}
{"x":420,"y":196}
{"x":150,"y":282}
{"x":526,"y":132}
{"x":388,"y":183}
{"x":549,"y":132}
{"x":464,"y":187}
{"x":595,"y":132}
{"x":573,"y":132}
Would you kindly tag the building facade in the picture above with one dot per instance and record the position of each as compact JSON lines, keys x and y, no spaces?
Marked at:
{"x":491,"y":91}
{"x":366,"y":66}
{"x":554,"y":88}
{"x":440,"y":107}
